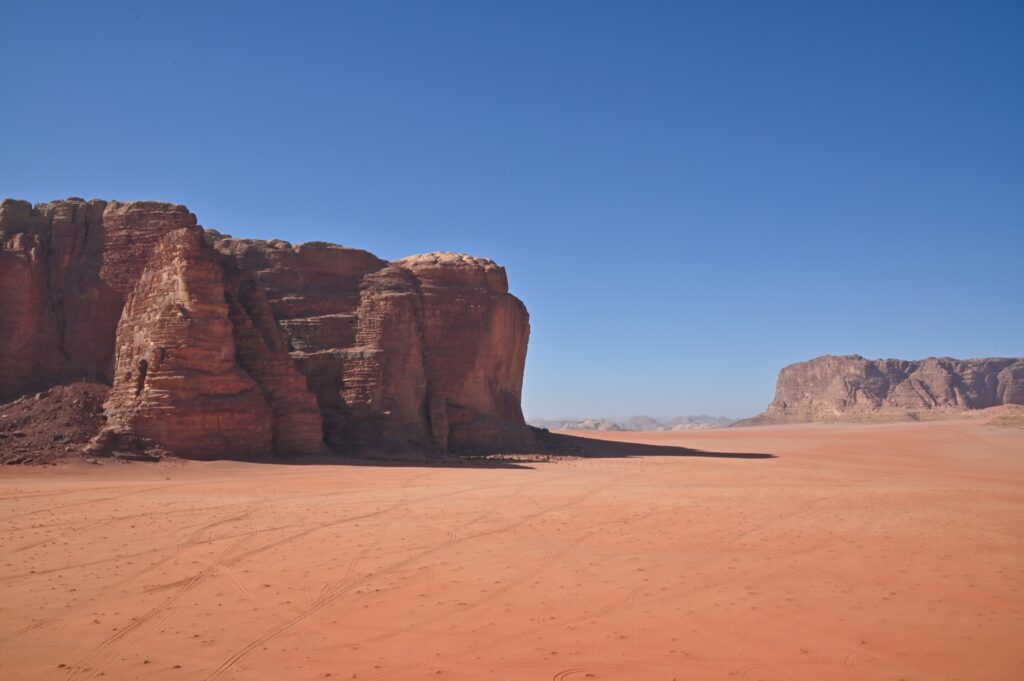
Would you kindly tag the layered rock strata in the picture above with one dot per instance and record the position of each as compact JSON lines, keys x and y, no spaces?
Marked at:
{"x":217,"y":346}
{"x":474,"y":336}
{"x":66,"y":269}
{"x":851,"y":388}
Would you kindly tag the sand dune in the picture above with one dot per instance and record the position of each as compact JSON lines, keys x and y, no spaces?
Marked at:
{"x":873,"y":552}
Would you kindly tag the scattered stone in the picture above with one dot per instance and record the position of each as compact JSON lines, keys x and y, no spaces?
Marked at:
{"x":51,"y":427}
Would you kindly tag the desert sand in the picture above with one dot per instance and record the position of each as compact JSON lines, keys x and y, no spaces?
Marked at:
{"x":872,"y":552}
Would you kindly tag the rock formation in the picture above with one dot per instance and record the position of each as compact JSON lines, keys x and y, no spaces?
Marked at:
{"x":852,"y":388}
{"x":73,"y":264}
{"x":635,"y":423}
{"x":217,"y":346}
{"x":474,"y":339}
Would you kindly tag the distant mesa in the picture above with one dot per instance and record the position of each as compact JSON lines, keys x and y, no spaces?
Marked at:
{"x":852,"y":388}
{"x":576,"y":424}
{"x":635,"y":423}
{"x":198,"y":344}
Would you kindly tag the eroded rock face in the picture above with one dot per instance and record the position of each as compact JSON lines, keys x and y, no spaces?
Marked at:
{"x":850,"y":387}
{"x":73,"y":264}
{"x":474,"y":343}
{"x":229,"y":347}
{"x":178,"y":384}
{"x":352,"y":325}
{"x":428,"y":350}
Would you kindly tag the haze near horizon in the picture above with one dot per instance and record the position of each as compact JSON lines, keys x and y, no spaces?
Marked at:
{"x":686,"y":198}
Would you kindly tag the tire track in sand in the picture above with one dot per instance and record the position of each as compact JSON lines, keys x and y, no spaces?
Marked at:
{"x":78,"y":668}
{"x":332,"y":595}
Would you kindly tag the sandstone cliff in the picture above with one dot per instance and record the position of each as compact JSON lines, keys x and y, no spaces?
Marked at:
{"x":66,"y":269}
{"x":852,"y":388}
{"x":474,"y":336}
{"x":217,"y":346}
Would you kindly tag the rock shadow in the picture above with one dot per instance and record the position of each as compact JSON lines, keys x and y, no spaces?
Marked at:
{"x":392,"y":460}
{"x":578,"y":445}
{"x":550,"y":447}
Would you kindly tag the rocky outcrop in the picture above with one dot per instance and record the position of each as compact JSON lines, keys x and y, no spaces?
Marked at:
{"x":429,"y":350}
{"x":851,"y":388}
{"x":217,"y":346}
{"x":73,"y":264}
{"x":353,"y":326}
{"x":194,"y":375}
{"x":474,"y":348}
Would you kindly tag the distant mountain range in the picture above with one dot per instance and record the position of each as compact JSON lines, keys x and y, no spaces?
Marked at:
{"x":635,"y":423}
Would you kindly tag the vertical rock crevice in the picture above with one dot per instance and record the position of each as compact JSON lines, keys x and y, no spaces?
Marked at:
{"x":178,"y":385}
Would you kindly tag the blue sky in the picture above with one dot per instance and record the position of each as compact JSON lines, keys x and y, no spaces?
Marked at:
{"x":687,"y":196}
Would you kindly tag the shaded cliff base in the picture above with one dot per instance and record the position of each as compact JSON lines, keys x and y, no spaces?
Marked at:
{"x":63,"y":423}
{"x":602,"y":445}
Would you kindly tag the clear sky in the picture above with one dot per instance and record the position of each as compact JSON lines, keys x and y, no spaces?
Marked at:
{"x":687,"y":196}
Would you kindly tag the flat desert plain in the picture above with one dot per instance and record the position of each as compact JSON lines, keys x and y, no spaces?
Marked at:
{"x":853,"y":552}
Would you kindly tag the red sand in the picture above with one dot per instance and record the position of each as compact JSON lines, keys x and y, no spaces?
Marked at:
{"x":874,"y":552}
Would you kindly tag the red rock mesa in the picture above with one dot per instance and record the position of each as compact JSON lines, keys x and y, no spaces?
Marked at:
{"x":215,"y":346}
{"x":851,"y":388}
